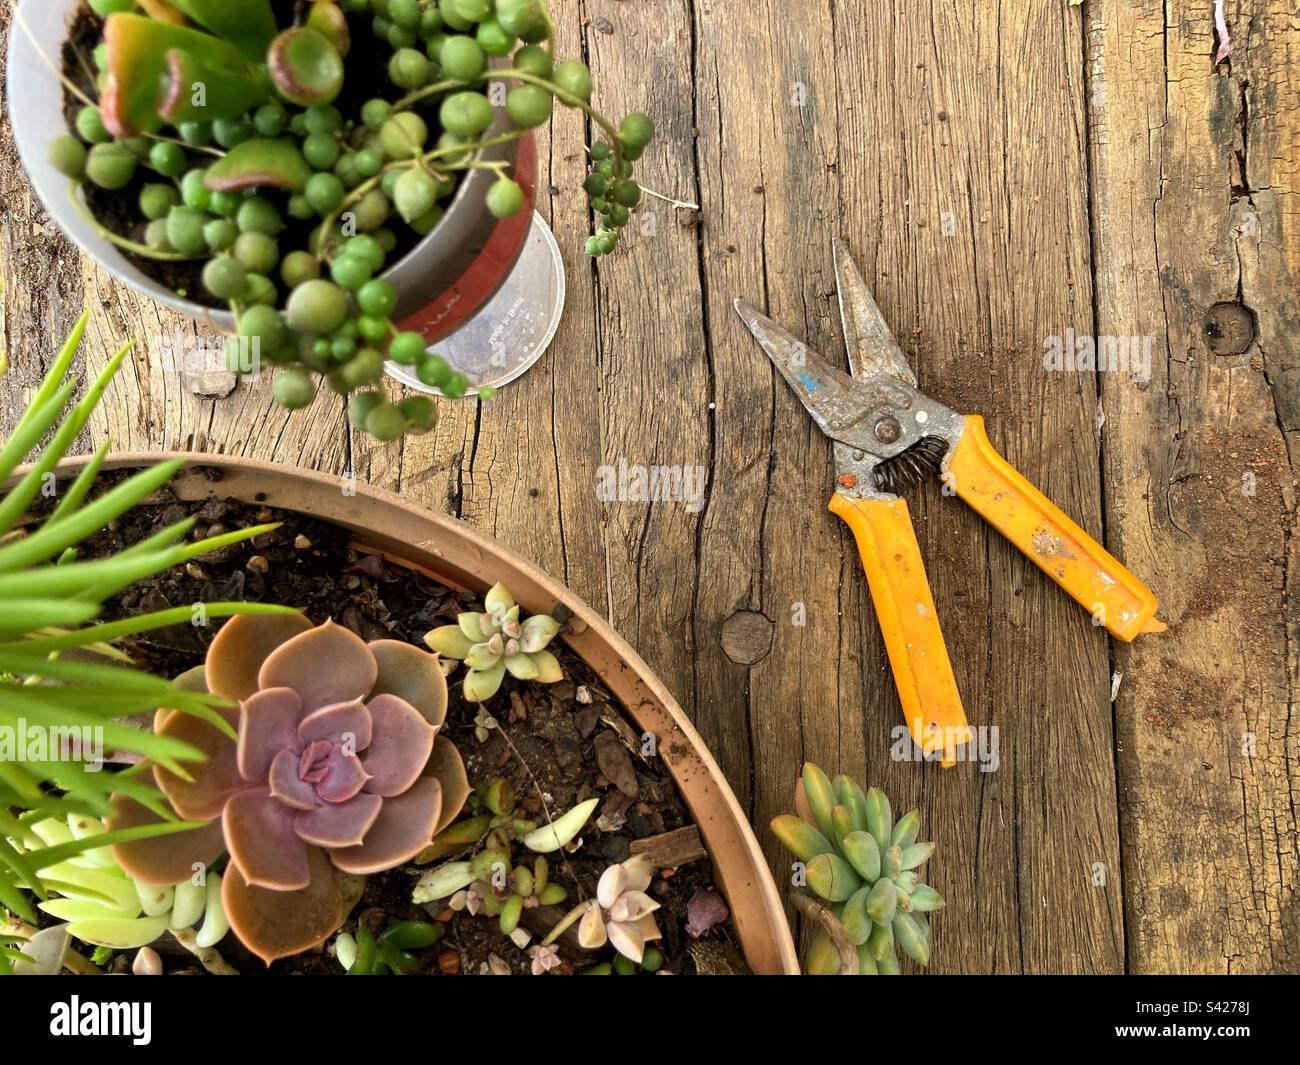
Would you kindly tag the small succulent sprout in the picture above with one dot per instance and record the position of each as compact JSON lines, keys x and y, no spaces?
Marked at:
{"x":147,"y":963}
{"x":442,"y":882}
{"x":622,"y":914}
{"x":259,"y":163}
{"x":489,"y":881}
{"x":562,"y":831}
{"x":497,"y":641}
{"x":305,"y":67}
{"x":863,"y":864}
{"x":544,"y":959}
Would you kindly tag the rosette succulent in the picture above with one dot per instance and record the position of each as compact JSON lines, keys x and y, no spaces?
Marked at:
{"x":332,"y":766}
{"x":624,"y":913}
{"x":862,"y":862}
{"x":497,"y":641}
{"x":621,"y":914}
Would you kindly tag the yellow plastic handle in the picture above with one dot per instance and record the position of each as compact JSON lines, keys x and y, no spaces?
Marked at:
{"x":1040,"y":529}
{"x":917,"y":654}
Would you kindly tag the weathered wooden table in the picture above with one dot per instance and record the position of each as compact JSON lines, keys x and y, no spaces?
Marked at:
{"x":1006,"y":174}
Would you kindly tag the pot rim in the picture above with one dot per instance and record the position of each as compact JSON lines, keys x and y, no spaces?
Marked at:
{"x":740,"y":869}
{"x":32,"y":137}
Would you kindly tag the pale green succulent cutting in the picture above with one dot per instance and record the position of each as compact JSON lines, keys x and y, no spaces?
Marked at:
{"x":107,"y":908}
{"x":863,"y":864}
{"x":496,"y":642}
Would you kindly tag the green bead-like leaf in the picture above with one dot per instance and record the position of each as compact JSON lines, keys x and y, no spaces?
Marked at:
{"x":904,"y":834}
{"x":821,"y":797}
{"x":909,"y":937}
{"x":891,"y":862}
{"x":832,"y":877}
{"x":887,"y":964}
{"x":800,"y":838}
{"x":510,"y":911}
{"x":879,"y":818}
{"x":916,"y":855}
{"x":863,"y":854}
{"x":866,"y":963}
{"x":260,"y":163}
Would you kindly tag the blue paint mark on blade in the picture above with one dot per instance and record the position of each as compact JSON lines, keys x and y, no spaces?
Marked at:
{"x":810,"y":383}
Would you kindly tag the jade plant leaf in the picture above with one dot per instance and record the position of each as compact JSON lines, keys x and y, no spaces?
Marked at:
{"x":260,"y":163}
{"x":247,"y":24}
{"x":137,"y":67}
{"x":193,"y":91}
{"x":305,"y":67}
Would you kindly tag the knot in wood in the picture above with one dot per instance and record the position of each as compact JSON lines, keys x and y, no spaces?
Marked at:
{"x":747,"y":636}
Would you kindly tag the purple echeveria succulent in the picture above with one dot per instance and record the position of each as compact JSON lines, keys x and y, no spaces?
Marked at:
{"x":338,"y":767}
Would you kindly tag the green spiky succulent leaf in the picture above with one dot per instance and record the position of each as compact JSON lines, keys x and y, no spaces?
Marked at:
{"x":59,"y":673}
{"x":863,"y":863}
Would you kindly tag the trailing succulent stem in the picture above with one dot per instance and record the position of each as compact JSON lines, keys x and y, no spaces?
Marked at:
{"x":305,"y":207}
{"x":860,"y":864}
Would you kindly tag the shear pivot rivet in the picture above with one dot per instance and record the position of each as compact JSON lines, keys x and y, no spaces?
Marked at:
{"x":888,"y":430}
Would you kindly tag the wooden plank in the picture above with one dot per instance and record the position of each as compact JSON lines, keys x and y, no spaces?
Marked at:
{"x":962,"y":187}
{"x":952,"y":146}
{"x":1196,"y":204}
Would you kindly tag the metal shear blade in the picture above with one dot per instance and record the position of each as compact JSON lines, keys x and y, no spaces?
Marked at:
{"x":836,"y":402}
{"x":871,"y":343}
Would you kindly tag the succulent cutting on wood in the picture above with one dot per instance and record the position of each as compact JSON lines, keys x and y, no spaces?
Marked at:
{"x":862,"y":862}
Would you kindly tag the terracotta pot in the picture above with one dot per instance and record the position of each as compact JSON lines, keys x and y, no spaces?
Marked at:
{"x":447,"y":277}
{"x":458,"y":555}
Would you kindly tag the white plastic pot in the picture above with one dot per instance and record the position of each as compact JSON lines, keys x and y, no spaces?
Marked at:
{"x":432,"y":275}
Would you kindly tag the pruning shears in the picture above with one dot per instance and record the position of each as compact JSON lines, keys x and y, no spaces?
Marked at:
{"x":888,"y":434}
